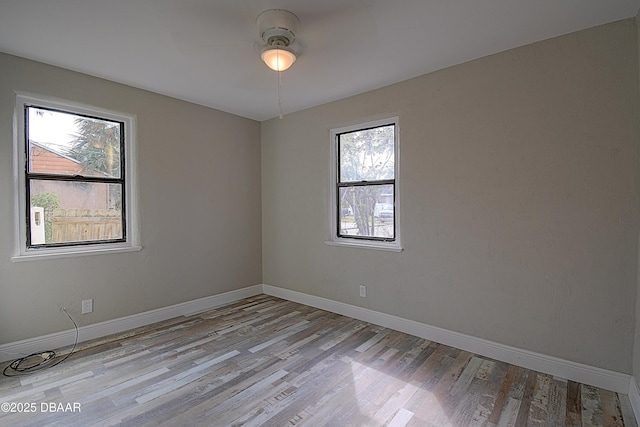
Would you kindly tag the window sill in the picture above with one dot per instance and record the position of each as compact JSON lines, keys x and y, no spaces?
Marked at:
{"x":72,"y":252}
{"x":368,"y":245}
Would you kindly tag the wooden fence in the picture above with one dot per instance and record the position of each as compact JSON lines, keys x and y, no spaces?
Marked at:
{"x":77,"y":225}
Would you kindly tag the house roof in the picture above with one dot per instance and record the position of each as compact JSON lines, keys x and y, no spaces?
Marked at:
{"x":47,"y":160}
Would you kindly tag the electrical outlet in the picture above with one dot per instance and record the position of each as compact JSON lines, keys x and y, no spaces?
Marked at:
{"x":87,"y":306}
{"x":363,"y":291}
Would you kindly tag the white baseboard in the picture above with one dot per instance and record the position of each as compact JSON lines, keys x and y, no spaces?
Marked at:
{"x":56,"y":340}
{"x":573,"y":371}
{"x":614,"y":381}
{"x":634,"y":397}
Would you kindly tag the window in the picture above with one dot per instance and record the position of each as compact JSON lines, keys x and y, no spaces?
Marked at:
{"x":75,"y":183}
{"x":364,"y":192}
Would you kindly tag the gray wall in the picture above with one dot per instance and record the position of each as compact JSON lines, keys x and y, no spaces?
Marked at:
{"x":196,"y":166}
{"x":519,"y":190}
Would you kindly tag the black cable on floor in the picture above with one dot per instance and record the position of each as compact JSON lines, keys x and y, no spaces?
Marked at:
{"x":36,"y":362}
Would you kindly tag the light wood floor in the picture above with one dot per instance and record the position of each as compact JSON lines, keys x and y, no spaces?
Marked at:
{"x":271,"y":362}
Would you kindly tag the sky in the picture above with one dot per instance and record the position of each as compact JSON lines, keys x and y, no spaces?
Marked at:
{"x":52,"y":128}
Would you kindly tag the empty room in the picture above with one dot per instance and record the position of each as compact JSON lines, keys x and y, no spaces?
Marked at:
{"x":319,"y":213}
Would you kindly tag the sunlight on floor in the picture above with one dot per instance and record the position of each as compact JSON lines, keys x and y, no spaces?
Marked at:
{"x":369,"y":386}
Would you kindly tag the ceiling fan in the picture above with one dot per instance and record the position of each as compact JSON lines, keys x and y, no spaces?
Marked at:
{"x":277,"y":29}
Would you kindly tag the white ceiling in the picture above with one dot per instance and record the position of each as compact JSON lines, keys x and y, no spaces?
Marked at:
{"x":207,"y":51}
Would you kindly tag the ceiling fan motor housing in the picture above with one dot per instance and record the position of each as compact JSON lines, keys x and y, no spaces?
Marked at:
{"x":277,"y":27}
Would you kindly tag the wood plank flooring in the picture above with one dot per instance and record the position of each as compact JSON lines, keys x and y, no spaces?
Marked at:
{"x":263,"y":361}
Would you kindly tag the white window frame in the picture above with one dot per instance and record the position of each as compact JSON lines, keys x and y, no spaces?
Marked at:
{"x":334,"y":239}
{"x":21,"y":251}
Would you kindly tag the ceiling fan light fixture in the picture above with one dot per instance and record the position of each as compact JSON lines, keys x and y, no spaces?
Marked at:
{"x":277,"y":29}
{"x":278,"y":58}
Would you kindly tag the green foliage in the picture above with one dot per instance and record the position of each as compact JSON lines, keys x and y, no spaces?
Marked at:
{"x":50,"y":202}
{"x":367,"y":154}
{"x":97,"y":145}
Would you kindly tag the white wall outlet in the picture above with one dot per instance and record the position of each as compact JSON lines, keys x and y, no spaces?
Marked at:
{"x":87,"y":306}
{"x":363,"y":291}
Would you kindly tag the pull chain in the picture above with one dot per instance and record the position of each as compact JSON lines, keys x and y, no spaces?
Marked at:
{"x":279,"y":96}
{"x":279,"y":85}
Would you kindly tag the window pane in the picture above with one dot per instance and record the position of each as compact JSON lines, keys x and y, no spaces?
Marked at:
{"x":69,"y":144}
{"x":367,"y":211}
{"x":67,"y":212}
{"x":367,"y":155}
